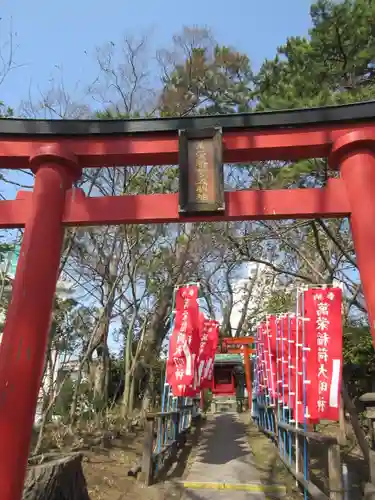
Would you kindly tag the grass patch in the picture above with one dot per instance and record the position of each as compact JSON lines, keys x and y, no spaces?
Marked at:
{"x":268,"y":463}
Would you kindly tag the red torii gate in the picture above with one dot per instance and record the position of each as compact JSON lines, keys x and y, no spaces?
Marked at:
{"x":241,"y":345}
{"x":57,"y":150}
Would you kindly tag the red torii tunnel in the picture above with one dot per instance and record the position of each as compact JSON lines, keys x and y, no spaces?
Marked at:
{"x":58,"y":150}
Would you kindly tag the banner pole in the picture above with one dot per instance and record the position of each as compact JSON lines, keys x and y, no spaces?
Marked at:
{"x":296,"y":390}
{"x":166,"y":387}
{"x":289,"y":389}
{"x":284,"y":406}
{"x":304,"y":388}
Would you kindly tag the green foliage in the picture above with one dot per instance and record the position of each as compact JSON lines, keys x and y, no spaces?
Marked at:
{"x":71,"y":324}
{"x":111,"y":114}
{"x":64,"y":399}
{"x":88,"y":404}
{"x":5,"y":111}
{"x":359,"y":359}
{"x":85,"y":405}
{"x":335,"y":64}
{"x":5,"y":248}
{"x":358,"y":347}
{"x":116,"y":379}
{"x":280,"y":302}
{"x":208,"y":81}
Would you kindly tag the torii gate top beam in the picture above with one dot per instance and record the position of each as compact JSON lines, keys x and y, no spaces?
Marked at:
{"x":276,"y":135}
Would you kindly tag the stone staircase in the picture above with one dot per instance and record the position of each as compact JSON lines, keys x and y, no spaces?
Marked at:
{"x":222,"y":404}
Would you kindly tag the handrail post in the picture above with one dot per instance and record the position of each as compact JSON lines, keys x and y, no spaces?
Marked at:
{"x":334,"y":472}
{"x":176,"y":424}
{"x":147,"y":458}
{"x":299,"y":453}
{"x":369,"y":401}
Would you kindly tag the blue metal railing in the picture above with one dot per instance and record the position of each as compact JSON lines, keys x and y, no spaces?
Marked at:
{"x":278,"y":417}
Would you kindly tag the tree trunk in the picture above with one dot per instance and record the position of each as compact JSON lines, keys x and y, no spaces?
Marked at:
{"x":103,"y":361}
{"x":60,"y":479}
{"x":73,"y":407}
{"x":127,"y":369}
{"x":126,"y":395}
{"x":148,"y":395}
{"x":132,"y":396}
{"x":101,"y":378}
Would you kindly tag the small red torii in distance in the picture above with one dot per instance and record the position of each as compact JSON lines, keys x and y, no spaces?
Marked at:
{"x":241,"y":345}
{"x":58,"y":150}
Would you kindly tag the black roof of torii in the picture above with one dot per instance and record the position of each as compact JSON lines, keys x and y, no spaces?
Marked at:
{"x":349,"y":113}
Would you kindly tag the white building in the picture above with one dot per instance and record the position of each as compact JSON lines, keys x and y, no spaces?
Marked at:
{"x":252,"y":293}
{"x":64,"y":289}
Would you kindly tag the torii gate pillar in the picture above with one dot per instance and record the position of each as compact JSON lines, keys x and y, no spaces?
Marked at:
{"x":27,"y":326}
{"x":354,"y":155}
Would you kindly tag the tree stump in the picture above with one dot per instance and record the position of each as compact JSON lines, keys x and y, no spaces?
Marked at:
{"x":59,"y":479}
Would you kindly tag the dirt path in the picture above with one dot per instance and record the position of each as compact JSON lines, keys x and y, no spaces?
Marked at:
{"x":106,"y":471}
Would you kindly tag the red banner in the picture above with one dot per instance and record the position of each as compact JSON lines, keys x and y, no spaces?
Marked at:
{"x":302,"y":363}
{"x":282,"y":359}
{"x":295,"y":368}
{"x":266,"y":362}
{"x":323,"y":332}
{"x":260,"y":357}
{"x":202,"y":354}
{"x":208,"y":348}
{"x":184,"y":341}
{"x":292,"y":371}
{"x":271,"y":357}
{"x":183,"y":391}
{"x":306,"y":357}
{"x":259,"y":382}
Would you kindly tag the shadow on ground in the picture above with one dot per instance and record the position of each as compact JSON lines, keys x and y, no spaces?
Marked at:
{"x":212,"y":450}
{"x":175,"y":468}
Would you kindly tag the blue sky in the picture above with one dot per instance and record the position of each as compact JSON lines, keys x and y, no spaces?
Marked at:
{"x":53,"y":34}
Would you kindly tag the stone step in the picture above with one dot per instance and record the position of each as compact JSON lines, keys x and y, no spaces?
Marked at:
{"x":234,"y":490}
{"x":221,"y":495}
